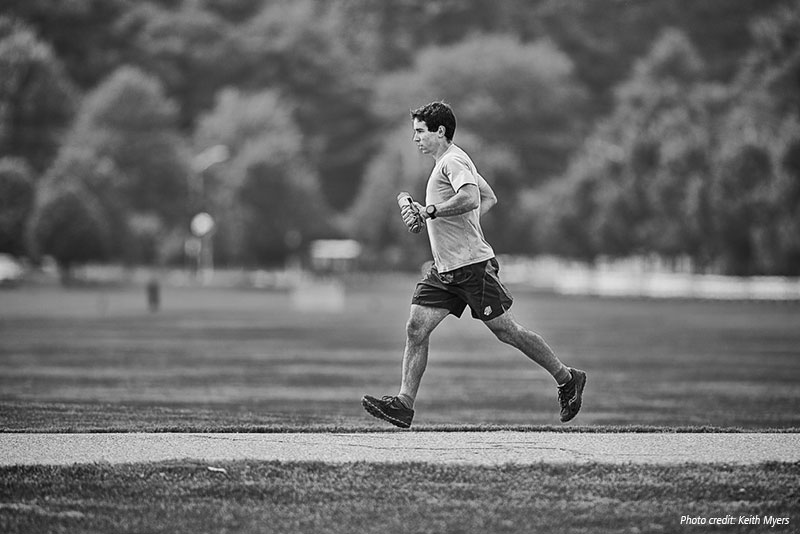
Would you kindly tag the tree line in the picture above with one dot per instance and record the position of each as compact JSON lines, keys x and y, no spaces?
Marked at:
{"x":607,"y":128}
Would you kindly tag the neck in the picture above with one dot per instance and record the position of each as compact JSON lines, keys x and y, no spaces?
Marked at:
{"x":442,"y":148}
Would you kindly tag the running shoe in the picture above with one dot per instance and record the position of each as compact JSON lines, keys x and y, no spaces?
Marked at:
{"x":389,"y":409}
{"x":570,"y":395}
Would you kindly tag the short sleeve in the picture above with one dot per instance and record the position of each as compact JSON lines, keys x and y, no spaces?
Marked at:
{"x":459,"y":172}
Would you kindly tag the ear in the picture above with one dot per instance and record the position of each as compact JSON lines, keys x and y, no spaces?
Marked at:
{"x":440,"y":131}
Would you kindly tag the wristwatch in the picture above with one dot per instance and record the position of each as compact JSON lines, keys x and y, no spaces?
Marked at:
{"x":430,"y":210}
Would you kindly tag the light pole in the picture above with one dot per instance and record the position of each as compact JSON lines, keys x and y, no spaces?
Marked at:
{"x":204,"y":161}
{"x":202,"y":227}
{"x":203,"y":224}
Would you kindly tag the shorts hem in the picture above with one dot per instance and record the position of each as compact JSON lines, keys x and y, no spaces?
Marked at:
{"x":467,"y":264}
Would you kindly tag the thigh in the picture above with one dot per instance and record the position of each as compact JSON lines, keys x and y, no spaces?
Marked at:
{"x":424,"y":319}
{"x":433,"y":292}
{"x":486,"y":295}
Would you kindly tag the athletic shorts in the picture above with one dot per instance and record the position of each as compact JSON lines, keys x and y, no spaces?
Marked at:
{"x":477,"y":286}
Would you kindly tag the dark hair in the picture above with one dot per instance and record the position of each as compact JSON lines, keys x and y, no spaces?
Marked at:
{"x":437,"y":114}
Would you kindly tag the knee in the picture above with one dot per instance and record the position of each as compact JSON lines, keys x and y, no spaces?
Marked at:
{"x":510,"y":334}
{"x":416,"y":331}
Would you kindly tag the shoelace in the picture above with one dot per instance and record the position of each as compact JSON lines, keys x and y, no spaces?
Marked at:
{"x":566,"y":392}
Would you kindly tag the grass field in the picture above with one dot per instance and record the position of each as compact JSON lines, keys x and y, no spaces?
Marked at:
{"x":185,"y":497}
{"x":94,"y":359}
{"x":211,"y":359}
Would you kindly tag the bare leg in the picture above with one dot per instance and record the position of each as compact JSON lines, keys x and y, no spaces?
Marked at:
{"x":509,"y":331}
{"x":421,"y":322}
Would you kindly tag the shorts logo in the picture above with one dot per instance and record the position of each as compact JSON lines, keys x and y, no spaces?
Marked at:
{"x":488,"y":310}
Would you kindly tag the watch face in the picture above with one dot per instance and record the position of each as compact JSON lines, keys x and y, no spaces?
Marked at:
{"x":431,"y":209}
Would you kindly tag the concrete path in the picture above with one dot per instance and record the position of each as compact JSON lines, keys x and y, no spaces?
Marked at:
{"x":480,"y":448}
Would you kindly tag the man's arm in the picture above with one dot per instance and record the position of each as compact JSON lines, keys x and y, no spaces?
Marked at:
{"x":488,"y":198}
{"x":467,"y":198}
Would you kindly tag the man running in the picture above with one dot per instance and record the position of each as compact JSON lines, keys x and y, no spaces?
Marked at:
{"x":464,"y":273}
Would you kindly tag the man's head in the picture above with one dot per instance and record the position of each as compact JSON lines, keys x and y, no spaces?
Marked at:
{"x":434,"y":126}
{"x":436,"y":115}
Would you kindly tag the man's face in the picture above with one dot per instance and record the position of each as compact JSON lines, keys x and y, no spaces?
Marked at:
{"x":426,"y":141}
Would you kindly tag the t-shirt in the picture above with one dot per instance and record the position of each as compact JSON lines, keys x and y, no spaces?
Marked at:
{"x":455,"y":241}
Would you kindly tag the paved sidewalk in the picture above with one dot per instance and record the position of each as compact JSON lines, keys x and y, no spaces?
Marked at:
{"x":480,"y":448}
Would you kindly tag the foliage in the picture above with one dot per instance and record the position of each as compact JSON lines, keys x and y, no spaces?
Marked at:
{"x":36,"y":97}
{"x":16,"y":201}
{"x":507,"y":93}
{"x":192,"y":67}
{"x":375,"y":217}
{"x":129,"y":121}
{"x":758,"y":180}
{"x":68,"y":224}
{"x":296,"y":48}
{"x":689,"y":168}
{"x":84,"y":170}
{"x":517,"y":141}
{"x":266,"y":198}
{"x":528,"y":79}
{"x":83,"y":33}
{"x":605,"y":39}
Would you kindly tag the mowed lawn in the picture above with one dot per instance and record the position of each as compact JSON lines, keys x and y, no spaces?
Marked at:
{"x":245,"y":359}
{"x":257,"y":497}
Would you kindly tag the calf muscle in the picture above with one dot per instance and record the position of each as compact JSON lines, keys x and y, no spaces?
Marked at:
{"x":509,"y":331}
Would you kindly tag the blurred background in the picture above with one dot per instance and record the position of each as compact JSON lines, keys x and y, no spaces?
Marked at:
{"x":667,"y":131}
{"x":236,"y":163}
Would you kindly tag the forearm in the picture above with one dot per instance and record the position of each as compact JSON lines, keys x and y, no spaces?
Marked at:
{"x":465,"y":200}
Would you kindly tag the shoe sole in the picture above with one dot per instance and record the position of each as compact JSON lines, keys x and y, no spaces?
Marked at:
{"x":376,"y":412}
{"x":579,"y":395}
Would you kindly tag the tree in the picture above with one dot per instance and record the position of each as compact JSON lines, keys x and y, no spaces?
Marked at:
{"x":562,"y":210}
{"x":233,"y":10}
{"x":739,"y":205}
{"x":130,"y":122}
{"x":605,"y":39}
{"x":81,"y":169}
{"x":16,"y":202}
{"x":68,"y":224}
{"x":757,"y":189}
{"x":298,"y":49}
{"x":83,"y":33}
{"x":36,"y":97}
{"x":189,"y":50}
{"x":281,"y":209}
{"x":637,"y":164}
{"x":266,"y":197}
{"x":515,"y":107}
{"x":684,"y":167}
{"x":506,"y":93}
{"x":374,"y":217}
{"x":124,"y":148}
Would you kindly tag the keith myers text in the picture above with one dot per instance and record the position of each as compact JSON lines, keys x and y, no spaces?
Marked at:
{"x":767,"y":520}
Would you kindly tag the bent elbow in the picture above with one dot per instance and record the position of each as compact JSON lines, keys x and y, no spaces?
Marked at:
{"x":474,"y":201}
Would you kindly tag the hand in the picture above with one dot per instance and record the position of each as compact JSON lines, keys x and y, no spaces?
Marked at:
{"x":412,"y":217}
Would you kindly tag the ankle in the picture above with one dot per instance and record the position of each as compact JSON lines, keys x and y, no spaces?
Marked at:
{"x":406,"y":400}
{"x":563,"y":376}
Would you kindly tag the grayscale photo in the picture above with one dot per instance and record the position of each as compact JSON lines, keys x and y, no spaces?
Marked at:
{"x":399,"y":266}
